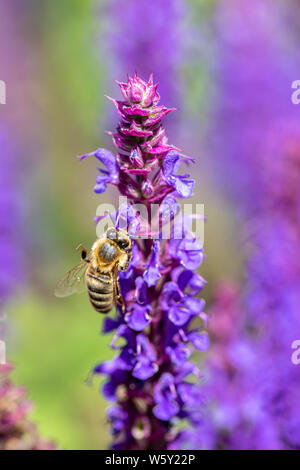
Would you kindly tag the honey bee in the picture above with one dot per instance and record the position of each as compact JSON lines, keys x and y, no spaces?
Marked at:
{"x":98,"y":271}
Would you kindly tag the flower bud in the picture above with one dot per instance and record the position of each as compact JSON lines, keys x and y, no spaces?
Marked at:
{"x":136,"y":158}
{"x":147,"y":188}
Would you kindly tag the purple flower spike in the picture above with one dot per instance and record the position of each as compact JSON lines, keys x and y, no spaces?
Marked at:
{"x":254,"y":387}
{"x":153,"y":338}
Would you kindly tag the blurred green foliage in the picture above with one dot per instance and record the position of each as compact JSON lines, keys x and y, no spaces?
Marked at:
{"x":54,"y":344}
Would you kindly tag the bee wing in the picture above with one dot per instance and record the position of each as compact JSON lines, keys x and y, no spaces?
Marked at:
{"x":73,"y":281}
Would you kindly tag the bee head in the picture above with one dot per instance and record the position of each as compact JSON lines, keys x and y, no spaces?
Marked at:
{"x":120,"y":237}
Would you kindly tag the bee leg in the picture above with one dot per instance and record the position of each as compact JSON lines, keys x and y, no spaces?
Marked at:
{"x":117,"y":291}
{"x":119,"y":298}
{"x":120,"y":302}
{"x":124,"y":266}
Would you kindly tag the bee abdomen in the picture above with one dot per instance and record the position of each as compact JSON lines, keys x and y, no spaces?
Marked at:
{"x":100,"y":291}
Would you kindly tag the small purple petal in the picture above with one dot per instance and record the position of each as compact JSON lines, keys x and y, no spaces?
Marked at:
{"x":152,"y":273}
{"x":138,"y":319}
{"x":179,"y":315}
{"x":170,"y":164}
{"x":144,"y":369}
{"x":184,"y":187}
{"x":165,"y":410}
{"x":200,"y":341}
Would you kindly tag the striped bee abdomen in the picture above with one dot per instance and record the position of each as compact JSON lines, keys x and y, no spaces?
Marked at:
{"x":100,"y":290}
